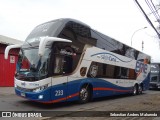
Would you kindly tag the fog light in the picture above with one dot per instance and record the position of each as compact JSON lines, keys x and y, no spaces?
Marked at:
{"x":40,"y":97}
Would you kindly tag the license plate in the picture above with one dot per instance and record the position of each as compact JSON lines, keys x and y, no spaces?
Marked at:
{"x":23,"y":94}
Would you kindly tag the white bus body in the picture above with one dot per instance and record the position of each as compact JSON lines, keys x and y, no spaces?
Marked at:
{"x":66,"y":60}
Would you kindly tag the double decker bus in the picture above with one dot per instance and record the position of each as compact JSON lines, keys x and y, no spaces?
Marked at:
{"x":67,"y":60}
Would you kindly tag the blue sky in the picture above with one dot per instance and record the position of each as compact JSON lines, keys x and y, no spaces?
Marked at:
{"x":116,"y":18}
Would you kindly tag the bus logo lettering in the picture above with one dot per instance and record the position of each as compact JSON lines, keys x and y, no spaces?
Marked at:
{"x":23,"y":84}
{"x":141,"y":67}
{"x":107,"y":58}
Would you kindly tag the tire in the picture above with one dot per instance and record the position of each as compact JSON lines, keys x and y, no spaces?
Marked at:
{"x":135,"y":90}
{"x":140,"y":89}
{"x":84,"y":94}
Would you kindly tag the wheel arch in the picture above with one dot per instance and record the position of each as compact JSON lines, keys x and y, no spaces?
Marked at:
{"x":141,"y":84}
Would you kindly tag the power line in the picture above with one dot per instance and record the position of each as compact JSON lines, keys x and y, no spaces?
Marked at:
{"x":147,"y":18}
{"x":153,"y":9}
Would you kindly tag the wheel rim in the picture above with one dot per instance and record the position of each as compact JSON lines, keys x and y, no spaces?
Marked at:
{"x":135,"y":90}
{"x":83,"y":94}
{"x":140,"y":89}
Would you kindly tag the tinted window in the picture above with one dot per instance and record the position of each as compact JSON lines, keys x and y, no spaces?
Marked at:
{"x":100,"y":70}
{"x":107,"y":43}
{"x":80,"y":33}
{"x":46,"y":29}
{"x":154,"y":79}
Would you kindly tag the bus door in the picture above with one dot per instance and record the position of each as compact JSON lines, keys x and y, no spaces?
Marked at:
{"x":59,"y":89}
{"x":60,"y":80}
{"x":63,"y":67}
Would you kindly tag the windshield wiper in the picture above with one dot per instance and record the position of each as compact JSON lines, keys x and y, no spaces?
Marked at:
{"x":28,"y":43}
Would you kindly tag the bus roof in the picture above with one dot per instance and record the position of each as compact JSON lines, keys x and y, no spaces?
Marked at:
{"x":103,"y":41}
{"x":66,"y":20}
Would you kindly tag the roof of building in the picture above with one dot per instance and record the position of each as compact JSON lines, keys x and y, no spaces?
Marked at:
{"x":9,"y":41}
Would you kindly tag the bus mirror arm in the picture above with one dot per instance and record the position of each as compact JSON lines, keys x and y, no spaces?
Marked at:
{"x":45,"y":40}
{"x":8,"y":48}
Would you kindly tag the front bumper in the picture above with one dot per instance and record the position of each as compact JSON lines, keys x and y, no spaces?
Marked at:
{"x":42,"y":96}
{"x":154,"y":85}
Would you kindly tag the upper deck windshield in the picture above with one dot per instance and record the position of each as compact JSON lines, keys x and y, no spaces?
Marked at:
{"x":46,"y":29}
{"x":31,"y":67}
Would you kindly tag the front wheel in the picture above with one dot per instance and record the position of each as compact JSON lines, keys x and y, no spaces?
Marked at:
{"x":84,"y":94}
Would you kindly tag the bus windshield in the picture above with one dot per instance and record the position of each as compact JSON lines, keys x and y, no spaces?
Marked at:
{"x":47,"y":29}
{"x":31,"y":67}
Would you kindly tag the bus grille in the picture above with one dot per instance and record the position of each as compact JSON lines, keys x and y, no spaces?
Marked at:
{"x":24,"y":89}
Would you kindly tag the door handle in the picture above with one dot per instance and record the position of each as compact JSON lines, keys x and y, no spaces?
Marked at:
{"x":64,"y":83}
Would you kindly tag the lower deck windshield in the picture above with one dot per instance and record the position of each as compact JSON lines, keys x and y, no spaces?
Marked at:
{"x":30,"y":66}
{"x":155,"y":78}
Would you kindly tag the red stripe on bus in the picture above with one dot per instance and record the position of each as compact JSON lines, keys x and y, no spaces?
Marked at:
{"x":61,"y":99}
{"x":111,"y":89}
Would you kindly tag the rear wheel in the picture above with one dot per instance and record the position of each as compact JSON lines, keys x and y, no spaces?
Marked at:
{"x":135,"y":90}
{"x":140,"y":89}
{"x":84,"y":94}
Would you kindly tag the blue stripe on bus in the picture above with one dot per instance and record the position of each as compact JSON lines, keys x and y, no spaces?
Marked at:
{"x":112,"y":55}
{"x":34,"y":96}
{"x":100,"y":88}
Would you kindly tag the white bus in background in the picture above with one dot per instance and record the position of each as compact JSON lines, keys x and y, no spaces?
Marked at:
{"x":155,"y":76}
{"x":66,"y":60}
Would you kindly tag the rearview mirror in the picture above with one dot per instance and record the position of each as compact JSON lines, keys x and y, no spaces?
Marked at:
{"x":44,"y":41}
{"x":8,"y":48}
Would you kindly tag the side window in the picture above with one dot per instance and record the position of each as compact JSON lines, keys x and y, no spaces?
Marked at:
{"x":63,"y":58}
{"x":66,"y":58}
{"x":100,"y":70}
{"x":58,"y":65}
{"x":67,"y":55}
{"x":68,"y":33}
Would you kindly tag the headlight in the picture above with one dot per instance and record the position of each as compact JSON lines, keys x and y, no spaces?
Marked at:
{"x":15,"y":85}
{"x":40,"y":88}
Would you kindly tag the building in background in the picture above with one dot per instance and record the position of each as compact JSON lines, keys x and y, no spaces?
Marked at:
{"x":7,"y":67}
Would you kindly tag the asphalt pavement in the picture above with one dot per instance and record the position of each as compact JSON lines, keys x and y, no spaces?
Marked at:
{"x":7,"y":90}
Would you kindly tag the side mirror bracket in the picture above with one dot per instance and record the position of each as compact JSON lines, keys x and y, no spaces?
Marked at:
{"x":45,"y":40}
{"x":8,"y":48}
